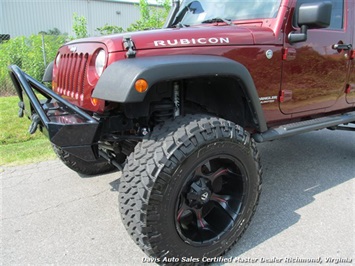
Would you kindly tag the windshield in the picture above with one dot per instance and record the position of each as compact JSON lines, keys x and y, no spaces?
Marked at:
{"x":194,"y":12}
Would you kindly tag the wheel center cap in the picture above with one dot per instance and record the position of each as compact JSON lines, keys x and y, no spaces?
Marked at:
{"x":205,"y":196}
{"x":199,"y":192}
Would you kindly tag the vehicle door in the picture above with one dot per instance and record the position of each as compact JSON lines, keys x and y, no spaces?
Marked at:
{"x":314,"y":72}
{"x":350,"y":96}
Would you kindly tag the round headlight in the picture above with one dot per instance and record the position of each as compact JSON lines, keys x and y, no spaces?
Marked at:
{"x":100,"y":62}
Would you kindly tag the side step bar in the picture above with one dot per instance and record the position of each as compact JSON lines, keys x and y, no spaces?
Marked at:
{"x":304,"y":126}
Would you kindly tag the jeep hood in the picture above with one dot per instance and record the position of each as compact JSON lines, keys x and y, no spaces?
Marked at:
{"x":191,"y":36}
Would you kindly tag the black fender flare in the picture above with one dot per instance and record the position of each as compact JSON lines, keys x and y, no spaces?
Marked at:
{"x":117,"y":82}
{"x":48,"y":73}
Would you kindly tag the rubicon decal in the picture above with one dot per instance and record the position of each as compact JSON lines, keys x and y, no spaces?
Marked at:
{"x":174,"y":42}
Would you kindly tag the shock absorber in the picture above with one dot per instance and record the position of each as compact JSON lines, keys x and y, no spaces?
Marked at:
{"x":176,"y":97}
{"x":167,"y":108}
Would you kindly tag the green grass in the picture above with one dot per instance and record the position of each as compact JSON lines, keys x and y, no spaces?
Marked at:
{"x":17,"y":146}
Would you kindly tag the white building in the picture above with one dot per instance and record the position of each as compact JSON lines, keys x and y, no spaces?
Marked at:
{"x":27,"y":17}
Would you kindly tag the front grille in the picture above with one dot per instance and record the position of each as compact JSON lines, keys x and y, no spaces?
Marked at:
{"x":71,"y":75}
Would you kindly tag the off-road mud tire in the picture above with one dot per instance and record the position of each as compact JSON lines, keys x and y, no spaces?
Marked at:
{"x":157,"y":171}
{"x":100,"y":166}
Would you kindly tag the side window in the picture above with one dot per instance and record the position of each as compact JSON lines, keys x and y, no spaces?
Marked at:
{"x":337,"y":19}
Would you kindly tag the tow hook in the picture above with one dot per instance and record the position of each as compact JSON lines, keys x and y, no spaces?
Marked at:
{"x":35,"y":122}
{"x":21,"y":109}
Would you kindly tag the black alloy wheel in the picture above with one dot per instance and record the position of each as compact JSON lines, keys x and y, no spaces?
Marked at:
{"x":211,"y":200}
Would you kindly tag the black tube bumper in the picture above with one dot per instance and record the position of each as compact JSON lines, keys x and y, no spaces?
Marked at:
{"x":66,"y":125}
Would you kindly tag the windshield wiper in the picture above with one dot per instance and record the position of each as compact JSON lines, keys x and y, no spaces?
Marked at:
{"x":180,"y":25}
{"x":214,"y":20}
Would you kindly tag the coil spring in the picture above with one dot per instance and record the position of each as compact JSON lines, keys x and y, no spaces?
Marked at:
{"x":163,"y":111}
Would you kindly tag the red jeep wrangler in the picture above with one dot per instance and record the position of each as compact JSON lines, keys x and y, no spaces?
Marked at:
{"x":179,"y":110}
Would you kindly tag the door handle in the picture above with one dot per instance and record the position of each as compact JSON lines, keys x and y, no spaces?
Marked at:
{"x":341,"y":46}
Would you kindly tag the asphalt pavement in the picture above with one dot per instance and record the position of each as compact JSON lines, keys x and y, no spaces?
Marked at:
{"x":306,"y":216}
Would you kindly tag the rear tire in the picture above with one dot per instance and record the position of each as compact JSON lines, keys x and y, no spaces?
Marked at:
{"x":191,"y":189}
{"x":100,"y":166}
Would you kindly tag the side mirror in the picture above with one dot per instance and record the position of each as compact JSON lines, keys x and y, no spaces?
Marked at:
{"x":311,"y":16}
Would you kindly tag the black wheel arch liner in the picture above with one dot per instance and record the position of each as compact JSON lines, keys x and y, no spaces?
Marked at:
{"x":117,"y":81}
{"x":48,"y":73}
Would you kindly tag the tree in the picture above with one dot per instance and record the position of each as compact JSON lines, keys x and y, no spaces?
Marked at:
{"x":109,"y":29}
{"x":54,"y":31}
{"x":152,"y":17}
{"x":80,"y":27}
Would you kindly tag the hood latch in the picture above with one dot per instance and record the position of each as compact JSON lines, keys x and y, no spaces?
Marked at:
{"x":128,"y":44}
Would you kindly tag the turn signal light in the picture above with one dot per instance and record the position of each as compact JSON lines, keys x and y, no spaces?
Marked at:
{"x":94,"y":101}
{"x":141,"y":85}
{"x":352,"y":54}
{"x":347,"y":89}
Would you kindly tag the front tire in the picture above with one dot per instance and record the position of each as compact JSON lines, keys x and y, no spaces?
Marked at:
{"x":191,"y":189}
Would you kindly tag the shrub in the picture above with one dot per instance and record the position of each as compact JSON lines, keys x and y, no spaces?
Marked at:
{"x":28,"y":54}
